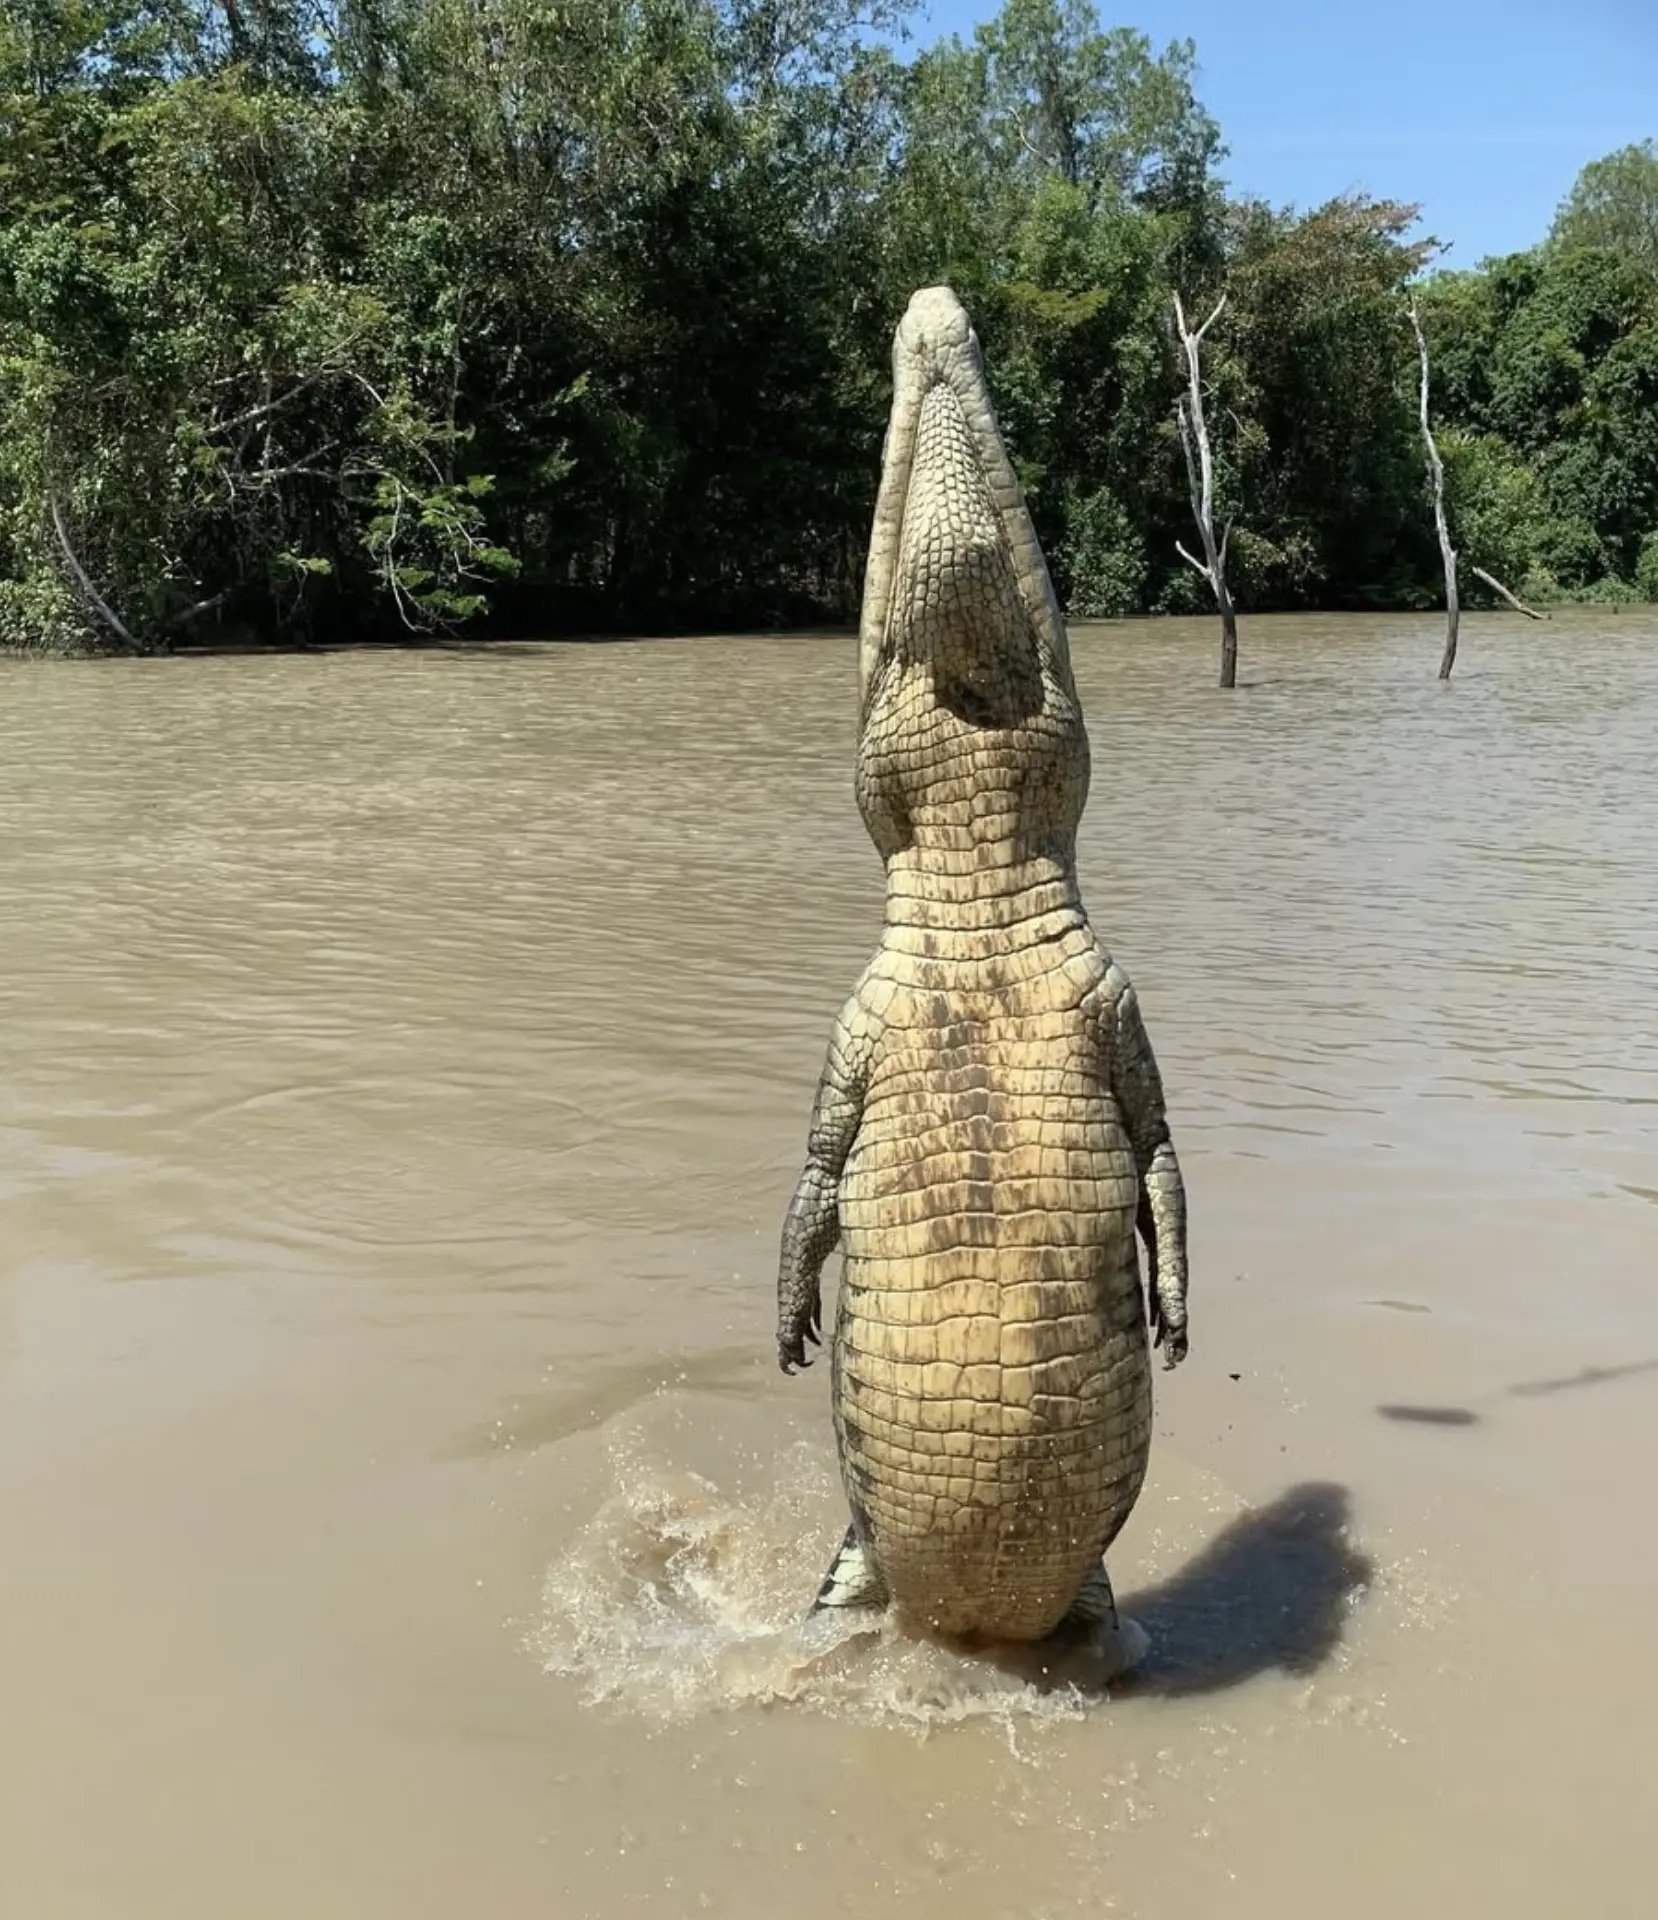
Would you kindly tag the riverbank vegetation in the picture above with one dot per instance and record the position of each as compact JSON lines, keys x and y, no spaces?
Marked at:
{"x":323,"y":318}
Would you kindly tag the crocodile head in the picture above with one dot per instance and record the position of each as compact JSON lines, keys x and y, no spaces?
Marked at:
{"x":971,"y":731}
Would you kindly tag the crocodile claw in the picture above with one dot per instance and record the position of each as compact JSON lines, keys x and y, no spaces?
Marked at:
{"x":795,"y":1334}
{"x":1172,"y":1339}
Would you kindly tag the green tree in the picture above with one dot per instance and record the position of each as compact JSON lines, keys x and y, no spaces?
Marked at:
{"x":1318,"y":380}
{"x":1095,"y":106}
{"x":1614,"y":206}
{"x":322,"y":315}
{"x":1104,"y":557}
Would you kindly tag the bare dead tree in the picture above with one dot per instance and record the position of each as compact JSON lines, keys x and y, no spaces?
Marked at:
{"x":1200,"y":477}
{"x":1436,"y":472}
{"x":1448,"y":553}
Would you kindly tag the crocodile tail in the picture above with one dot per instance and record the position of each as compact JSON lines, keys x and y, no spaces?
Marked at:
{"x":853,"y":1580}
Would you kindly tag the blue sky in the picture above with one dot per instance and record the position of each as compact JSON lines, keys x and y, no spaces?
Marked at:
{"x":1482,"y":111}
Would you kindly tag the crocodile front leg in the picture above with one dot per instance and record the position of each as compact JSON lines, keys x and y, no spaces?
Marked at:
{"x":1161,"y":1215}
{"x":812,"y":1226}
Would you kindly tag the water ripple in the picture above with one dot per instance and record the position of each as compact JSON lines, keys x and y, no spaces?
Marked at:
{"x":464,"y":955}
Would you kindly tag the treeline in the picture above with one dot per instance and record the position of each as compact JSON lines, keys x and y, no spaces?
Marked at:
{"x":344,"y":317}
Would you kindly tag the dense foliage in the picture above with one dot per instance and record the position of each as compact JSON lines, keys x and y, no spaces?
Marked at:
{"x":335,"y":317}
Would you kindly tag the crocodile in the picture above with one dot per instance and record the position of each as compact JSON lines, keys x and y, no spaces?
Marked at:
{"x":989,"y":1131}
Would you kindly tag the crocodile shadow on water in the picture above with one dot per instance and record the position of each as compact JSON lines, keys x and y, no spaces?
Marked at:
{"x":1271,"y":1592}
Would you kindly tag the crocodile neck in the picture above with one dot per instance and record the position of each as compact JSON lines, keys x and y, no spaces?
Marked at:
{"x":936,"y":889}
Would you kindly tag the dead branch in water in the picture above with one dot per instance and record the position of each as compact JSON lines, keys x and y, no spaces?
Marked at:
{"x":1497,"y":587}
{"x":1200,"y":477}
{"x":83,"y":579}
{"x":1436,"y":472}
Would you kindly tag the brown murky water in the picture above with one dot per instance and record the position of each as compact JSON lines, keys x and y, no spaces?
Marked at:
{"x":404,"y":1062}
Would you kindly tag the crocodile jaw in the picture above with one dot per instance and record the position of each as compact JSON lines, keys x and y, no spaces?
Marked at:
{"x":961,"y":633}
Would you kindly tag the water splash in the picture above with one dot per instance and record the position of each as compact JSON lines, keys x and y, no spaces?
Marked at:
{"x":678,"y":1599}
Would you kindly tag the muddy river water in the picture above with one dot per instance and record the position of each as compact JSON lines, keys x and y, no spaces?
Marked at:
{"x":404,"y":1065}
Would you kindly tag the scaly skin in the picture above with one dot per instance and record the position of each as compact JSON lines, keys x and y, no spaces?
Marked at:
{"x":989,"y":1128}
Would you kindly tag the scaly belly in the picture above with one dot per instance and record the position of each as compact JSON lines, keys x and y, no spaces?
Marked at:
{"x":992,"y":1380}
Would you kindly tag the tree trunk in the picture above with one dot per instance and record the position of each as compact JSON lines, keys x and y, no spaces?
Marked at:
{"x":1200,"y":477}
{"x":1436,"y":472}
{"x":1228,"y":633}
